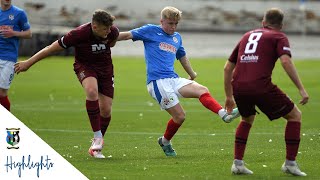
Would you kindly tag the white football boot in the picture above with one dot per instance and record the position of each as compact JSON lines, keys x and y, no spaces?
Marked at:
{"x":97,"y":144}
{"x":227,"y":118}
{"x":292,"y":169}
{"x":238,"y":168}
{"x":96,"y":154}
{"x":96,"y":147}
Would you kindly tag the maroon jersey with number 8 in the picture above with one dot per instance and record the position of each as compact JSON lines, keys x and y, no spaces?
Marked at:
{"x":255,"y":57}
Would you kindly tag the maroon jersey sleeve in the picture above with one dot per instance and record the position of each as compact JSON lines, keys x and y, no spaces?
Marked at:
{"x":68,"y":40}
{"x":283,"y":46}
{"x":74,"y":37}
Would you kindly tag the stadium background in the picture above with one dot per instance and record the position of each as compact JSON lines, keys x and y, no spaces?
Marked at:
{"x":210,"y":28}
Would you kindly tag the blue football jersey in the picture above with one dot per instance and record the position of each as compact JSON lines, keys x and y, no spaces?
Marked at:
{"x":16,"y":19}
{"x":160,"y":49}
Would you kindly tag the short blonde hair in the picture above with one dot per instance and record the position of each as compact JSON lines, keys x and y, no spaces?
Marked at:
{"x":171,"y":13}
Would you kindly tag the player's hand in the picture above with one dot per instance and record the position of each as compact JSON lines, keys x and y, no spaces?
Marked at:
{"x":8,"y":33}
{"x":229,"y":104}
{"x":22,"y":66}
{"x":305,"y":97}
{"x":193,"y":76}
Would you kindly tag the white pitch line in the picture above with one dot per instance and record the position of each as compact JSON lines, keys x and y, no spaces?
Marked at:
{"x":149,"y":133}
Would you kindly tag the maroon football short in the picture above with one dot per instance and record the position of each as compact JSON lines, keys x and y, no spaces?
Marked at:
{"x":274,"y":103}
{"x":104,"y":76}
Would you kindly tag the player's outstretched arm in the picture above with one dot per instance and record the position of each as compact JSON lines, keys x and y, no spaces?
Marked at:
{"x":187,"y":67}
{"x":45,"y":52}
{"x":125,"y":36}
{"x":290,"y":69}
{"x":24,"y":34}
{"x":228,"y":73}
{"x":20,"y":34}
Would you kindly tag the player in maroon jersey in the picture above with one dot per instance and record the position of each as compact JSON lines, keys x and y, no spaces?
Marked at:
{"x":93,"y":67}
{"x":247,"y":79}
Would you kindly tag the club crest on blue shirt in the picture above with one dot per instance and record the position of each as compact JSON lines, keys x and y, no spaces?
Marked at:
{"x":11,"y":17}
{"x":175,"y":39}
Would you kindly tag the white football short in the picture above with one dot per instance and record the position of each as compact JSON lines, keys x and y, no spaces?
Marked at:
{"x":166,"y":91}
{"x":6,"y":73}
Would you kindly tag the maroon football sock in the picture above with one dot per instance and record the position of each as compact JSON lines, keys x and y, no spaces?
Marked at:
{"x":292,"y":138}
{"x":171,"y":130}
{"x":104,"y":124}
{"x":240,"y":142}
{"x":210,"y":103}
{"x":94,"y":114}
{"x":4,"y":101}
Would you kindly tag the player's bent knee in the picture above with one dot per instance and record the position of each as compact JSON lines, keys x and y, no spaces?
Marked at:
{"x":105,"y":112}
{"x":294,"y":115}
{"x":203,"y":89}
{"x":180,"y":118}
{"x":92,"y":93}
{"x":297,"y":114}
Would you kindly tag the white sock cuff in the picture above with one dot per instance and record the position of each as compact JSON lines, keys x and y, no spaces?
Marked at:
{"x":97,"y":134}
{"x":165,"y":141}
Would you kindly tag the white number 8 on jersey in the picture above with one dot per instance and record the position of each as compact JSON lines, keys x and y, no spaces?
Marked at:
{"x":252,"y":44}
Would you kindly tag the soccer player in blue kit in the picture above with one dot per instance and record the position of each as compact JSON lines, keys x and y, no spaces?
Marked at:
{"x":13,"y":26}
{"x":162,"y":46}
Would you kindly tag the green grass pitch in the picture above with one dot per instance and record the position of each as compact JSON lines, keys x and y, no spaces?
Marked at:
{"x":49,"y":99}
